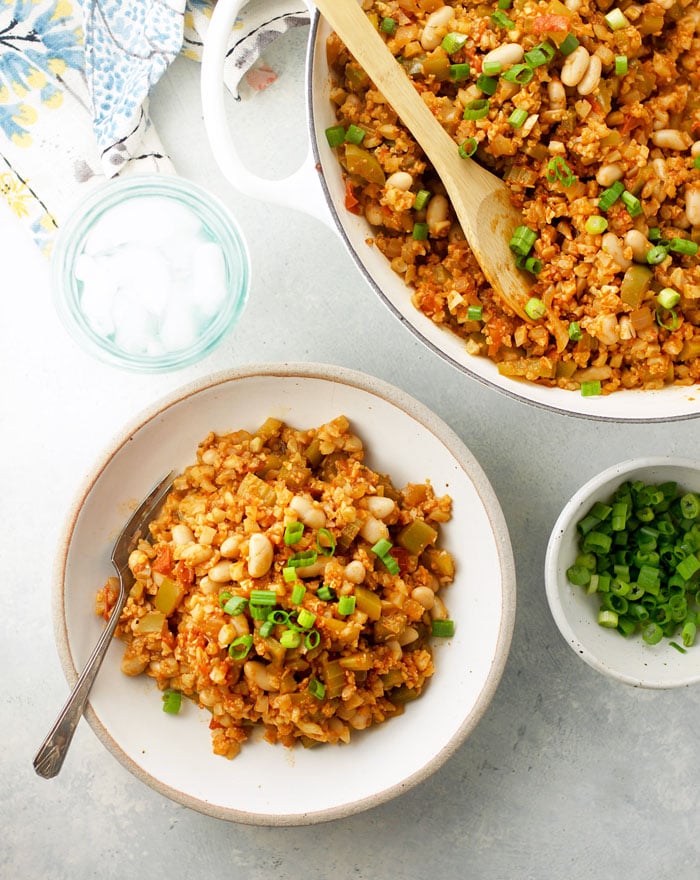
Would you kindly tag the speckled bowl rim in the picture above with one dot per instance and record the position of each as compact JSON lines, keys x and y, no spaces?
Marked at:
{"x":432,"y":423}
{"x":580,"y":501}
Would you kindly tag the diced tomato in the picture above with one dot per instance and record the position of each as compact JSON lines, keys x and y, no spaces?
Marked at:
{"x":163,"y":562}
{"x":401,"y":556}
{"x":351,"y":201}
{"x":550,"y":23}
{"x":183,"y":573}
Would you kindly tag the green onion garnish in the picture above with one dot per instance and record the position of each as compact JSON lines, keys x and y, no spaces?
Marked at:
{"x":519,"y":73}
{"x":355,"y":134}
{"x":621,"y":65}
{"x":298,"y":593}
{"x":391,"y":565}
{"x":683,"y":246}
{"x":239,"y":648}
{"x":487,"y":84}
{"x":258,"y":612}
{"x":504,"y":4}
{"x":540,"y":54}
{"x":293,"y":532}
{"x":421,"y":200}
{"x":346,"y":605}
{"x":467,"y":148}
{"x":460,"y":72}
{"x":667,"y":323}
{"x":290,"y":639}
{"x":312,"y":640}
{"x":616,"y":19}
{"x":335,"y":135}
{"x":235,"y":605}
{"x":531,"y":264}
{"x":382,"y":547}
{"x":592,"y":388}
{"x":575,"y":332}
{"x":535,"y":308}
{"x":475,"y":313}
{"x":289,"y":573}
{"x":696,"y":162}
{"x":326,"y":593}
{"x":568,"y":44}
{"x":420,"y":231}
{"x":632,"y":203}
{"x":596,"y":224}
{"x":492,"y":68}
{"x":443,"y":629}
{"x":477,"y":109}
{"x":522,"y":240}
{"x":453,"y":42}
{"x":172,"y":701}
{"x":266,"y":629}
{"x":302,"y":559}
{"x":517,"y":117}
{"x":387,"y":25}
{"x":654,"y":233}
{"x":224,"y":597}
{"x":610,"y":195}
{"x":263,"y":597}
{"x":656,"y":255}
{"x":325,"y":542}
{"x":557,"y":169}
{"x":500,"y":19}
{"x":306,"y":619}
{"x":317,"y":689}
{"x":278,"y":616}
{"x":667,"y":298}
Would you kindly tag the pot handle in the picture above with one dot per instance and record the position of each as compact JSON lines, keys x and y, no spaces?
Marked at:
{"x":301,"y":190}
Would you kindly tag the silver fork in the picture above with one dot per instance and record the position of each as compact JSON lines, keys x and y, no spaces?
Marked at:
{"x":52,"y":752}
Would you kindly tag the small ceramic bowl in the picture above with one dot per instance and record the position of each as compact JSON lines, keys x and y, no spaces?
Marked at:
{"x":150,"y":272}
{"x":627,"y":659}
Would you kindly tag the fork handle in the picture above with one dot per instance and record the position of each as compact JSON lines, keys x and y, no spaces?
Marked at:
{"x":52,"y":752}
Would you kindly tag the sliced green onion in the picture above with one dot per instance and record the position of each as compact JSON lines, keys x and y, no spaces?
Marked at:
{"x":492,"y":68}
{"x":420,"y":231}
{"x":608,"y":619}
{"x":517,"y":117}
{"x":335,"y":135}
{"x":443,"y":629}
{"x":696,"y":162}
{"x":475,"y":313}
{"x":224,"y":597}
{"x":568,"y":44}
{"x":289,"y":573}
{"x":306,"y":619}
{"x":610,"y":195}
{"x":302,"y":559}
{"x":298,"y":593}
{"x":519,"y":73}
{"x":690,"y":506}
{"x":500,"y":19}
{"x":621,"y":66}
{"x":688,"y":633}
{"x":382,"y":547}
{"x":592,"y":388}
{"x":240,"y":647}
{"x":392,"y":566}
{"x":596,"y":224}
{"x":460,"y":72}
{"x":293,"y":532}
{"x":312,"y":640}
{"x":453,"y":42}
{"x":327,"y":546}
{"x":683,"y":246}
{"x":355,"y":134}
{"x":487,"y":84}
{"x":668,"y":298}
{"x":263,"y":597}
{"x":504,"y":4}
{"x":235,"y":605}
{"x":656,"y":255}
{"x":290,"y":639}
{"x":326,"y":593}
{"x":172,"y":701}
{"x":467,"y":148}
{"x":533,"y":265}
{"x":557,"y":169}
{"x":632,"y":203}
{"x":258,"y":612}
{"x":346,"y":605}
{"x":575,"y":332}
{"x":522,"y":240}
{"x":540,"y":54}
{"x":317,"y":689}
{"x":279,"y":616}
{"x":266,"y":629}
{"x":667,"y":323}
{"x":654,"y":233}
{"x":535,"y":308}
{"x":477,"y":109}
{"x":616,"y":19}
{"x":387,"y":25}
{"x":421,"y":200}
{"x":652,"y":634}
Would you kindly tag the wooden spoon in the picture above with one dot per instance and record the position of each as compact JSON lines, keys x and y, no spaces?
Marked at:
{"x":480,"y":199}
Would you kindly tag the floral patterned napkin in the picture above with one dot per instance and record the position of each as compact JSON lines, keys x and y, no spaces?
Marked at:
{"x":75,"y":77}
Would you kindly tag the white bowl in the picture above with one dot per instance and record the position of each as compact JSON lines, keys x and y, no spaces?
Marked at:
{"x":266,"y":784}
{"x":629,"y":659}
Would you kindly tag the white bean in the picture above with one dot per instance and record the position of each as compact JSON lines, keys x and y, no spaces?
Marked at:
{"x":424,"y":596}
{"x":231,"y":546}
{"x":437,"y":213}
{"x":220,"y":573}
{"x":259,"y":555}
{"x":354,"y":572}
{"x":438,"y":611}
{"x":182,"y":534}
{"x":639,"y":243}
{"x":506,"y":55}
{"x":195,"y":554}
{"x":591,"y":78}
{"x":258,"y":674}
{"x":575,"y":66}
{"x":556,"y":94}
{"x":671,"y":139}
{"x":410,"y":634}
{"x":692,"y":204}
{"x":612,"y":246}
{"x":373,"y":530}
{"x":608,"y":174}
{"x":311,"y":516}
{"x":380,"y":506}
{"x":436,"y":27}
{"x":400,"y":180}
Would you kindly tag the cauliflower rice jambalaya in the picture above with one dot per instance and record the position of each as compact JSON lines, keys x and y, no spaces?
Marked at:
{"x":287,"y":584}
{"x":590,"y":111}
